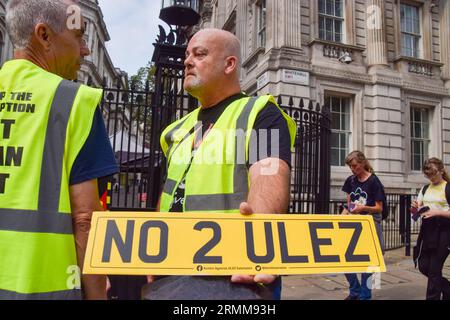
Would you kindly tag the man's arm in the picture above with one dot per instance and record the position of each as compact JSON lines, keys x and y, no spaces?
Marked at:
{"x":84,"y":200}
{"x":269,"y":187}
{"x":269,"y":193}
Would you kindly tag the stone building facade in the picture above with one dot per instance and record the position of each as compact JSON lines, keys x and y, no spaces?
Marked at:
{"x":6,"y":49}
{"x":383,"y":67}
{"x":97,"y":68}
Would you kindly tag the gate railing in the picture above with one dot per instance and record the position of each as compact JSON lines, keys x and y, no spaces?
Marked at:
{"x":398,"y":226}
{"x":310,"y":183}
{"x":134,"y":121}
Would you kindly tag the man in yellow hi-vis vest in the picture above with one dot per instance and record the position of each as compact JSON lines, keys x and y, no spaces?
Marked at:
{"x":53,"y":147}
{"x":233,"y":153}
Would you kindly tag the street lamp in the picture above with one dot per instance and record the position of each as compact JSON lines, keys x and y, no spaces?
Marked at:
{"x":181,"y":16}
{"x":180,"y":12}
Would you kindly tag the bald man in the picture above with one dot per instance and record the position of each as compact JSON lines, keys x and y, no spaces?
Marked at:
{"x":205,"y":170}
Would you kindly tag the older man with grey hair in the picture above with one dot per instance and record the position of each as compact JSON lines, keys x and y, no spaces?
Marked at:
{"x":56,"y":147}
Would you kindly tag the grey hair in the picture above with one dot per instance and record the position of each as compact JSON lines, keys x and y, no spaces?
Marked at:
{"x":23,"y":15}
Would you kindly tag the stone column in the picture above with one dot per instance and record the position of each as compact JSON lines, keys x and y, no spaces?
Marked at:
{"x":376,"y":33}
{"x":292,"y":21}
{"x":242,"y":26}
{"x":445,"y":40}
{"x":286,"y":15}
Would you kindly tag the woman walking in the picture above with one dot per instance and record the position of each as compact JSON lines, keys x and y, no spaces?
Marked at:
{"x":365,"y":195}
{"x":434,"y":238}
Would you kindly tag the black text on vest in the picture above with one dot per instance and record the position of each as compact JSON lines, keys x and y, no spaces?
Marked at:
{"x":9,"y":155}
{"x":17,"y":102}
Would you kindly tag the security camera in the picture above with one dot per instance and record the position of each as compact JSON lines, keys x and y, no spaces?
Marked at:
{"x":346,"y":58}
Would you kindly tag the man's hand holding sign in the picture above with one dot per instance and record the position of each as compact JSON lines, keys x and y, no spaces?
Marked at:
{"x":262,"y":199}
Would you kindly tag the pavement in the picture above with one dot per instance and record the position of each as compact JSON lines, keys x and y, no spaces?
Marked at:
{"x":401,"y":282}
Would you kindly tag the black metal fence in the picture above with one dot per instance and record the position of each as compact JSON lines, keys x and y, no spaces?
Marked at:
{"x":310,"y":184}
{"x":398,"y":227}
{"x":135,"y":121}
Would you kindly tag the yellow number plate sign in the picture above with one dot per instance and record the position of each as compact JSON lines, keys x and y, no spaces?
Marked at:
{"x":226,"y":244}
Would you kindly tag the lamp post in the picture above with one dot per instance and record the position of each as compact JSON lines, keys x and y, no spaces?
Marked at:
{"x":180,"y":12}
{"x":180,"y":15}
{"x":169,"y":98}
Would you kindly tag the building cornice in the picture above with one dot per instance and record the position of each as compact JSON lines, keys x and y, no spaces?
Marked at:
{"x":336,"y":44}
{"x":98,"y":11}
{"x":341,"y":74}
{"x":425,"y":89}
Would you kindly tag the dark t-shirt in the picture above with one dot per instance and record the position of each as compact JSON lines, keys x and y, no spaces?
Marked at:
{"x":364,"y":193}
{"x":96,"y":158}
{"x":270,"y":118}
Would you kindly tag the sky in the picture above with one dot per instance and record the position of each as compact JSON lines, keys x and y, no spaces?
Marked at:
{"x":133,"y":28}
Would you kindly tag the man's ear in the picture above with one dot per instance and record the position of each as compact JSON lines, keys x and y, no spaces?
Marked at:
{"x":230,"y":64}
{"x":43,"y":35}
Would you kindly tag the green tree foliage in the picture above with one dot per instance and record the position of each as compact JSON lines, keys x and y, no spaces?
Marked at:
{"x":139,"y":100}
{"x":144,"y":74}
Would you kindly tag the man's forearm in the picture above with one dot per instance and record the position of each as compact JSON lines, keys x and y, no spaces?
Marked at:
{"x":269,"y":193}
{"x":94,"y":286}
{"x":84,"y":200}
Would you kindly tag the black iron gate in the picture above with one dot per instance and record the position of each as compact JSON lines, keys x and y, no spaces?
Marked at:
{"x":135,"y":120}
{"x":310,"y":183}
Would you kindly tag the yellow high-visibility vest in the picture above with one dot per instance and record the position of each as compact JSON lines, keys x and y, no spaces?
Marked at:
{"x":44,"y":123}
{"x":217,"y":177}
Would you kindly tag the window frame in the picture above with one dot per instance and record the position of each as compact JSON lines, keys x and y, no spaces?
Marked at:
{"x":425,"y":140}
{"x":261,"y":28}
{"x":334,"y":18}
{"x":419,"y":37}
{"x":341,"y":131}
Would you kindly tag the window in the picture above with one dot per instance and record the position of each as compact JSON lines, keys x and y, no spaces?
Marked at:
{"x":340,"y":129}
{"x":331,"y":20}
{"x":262,"y":22}
{"x":410,"y":30}
{"x":420,"y":137}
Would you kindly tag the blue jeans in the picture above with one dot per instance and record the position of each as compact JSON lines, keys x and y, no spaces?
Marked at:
{"x":360,"y":290}
{"x":276,"y":288}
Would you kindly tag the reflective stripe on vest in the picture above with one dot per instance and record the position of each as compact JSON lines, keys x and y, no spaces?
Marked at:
{"x":227,"y":201}
{"x":169,"y":138}
{"x":48,"y":219}
{"x":57,"y":295}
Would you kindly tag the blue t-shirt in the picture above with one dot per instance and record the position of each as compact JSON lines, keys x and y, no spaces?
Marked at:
{"x":96,"y":158}
{"x":364,"y":193}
